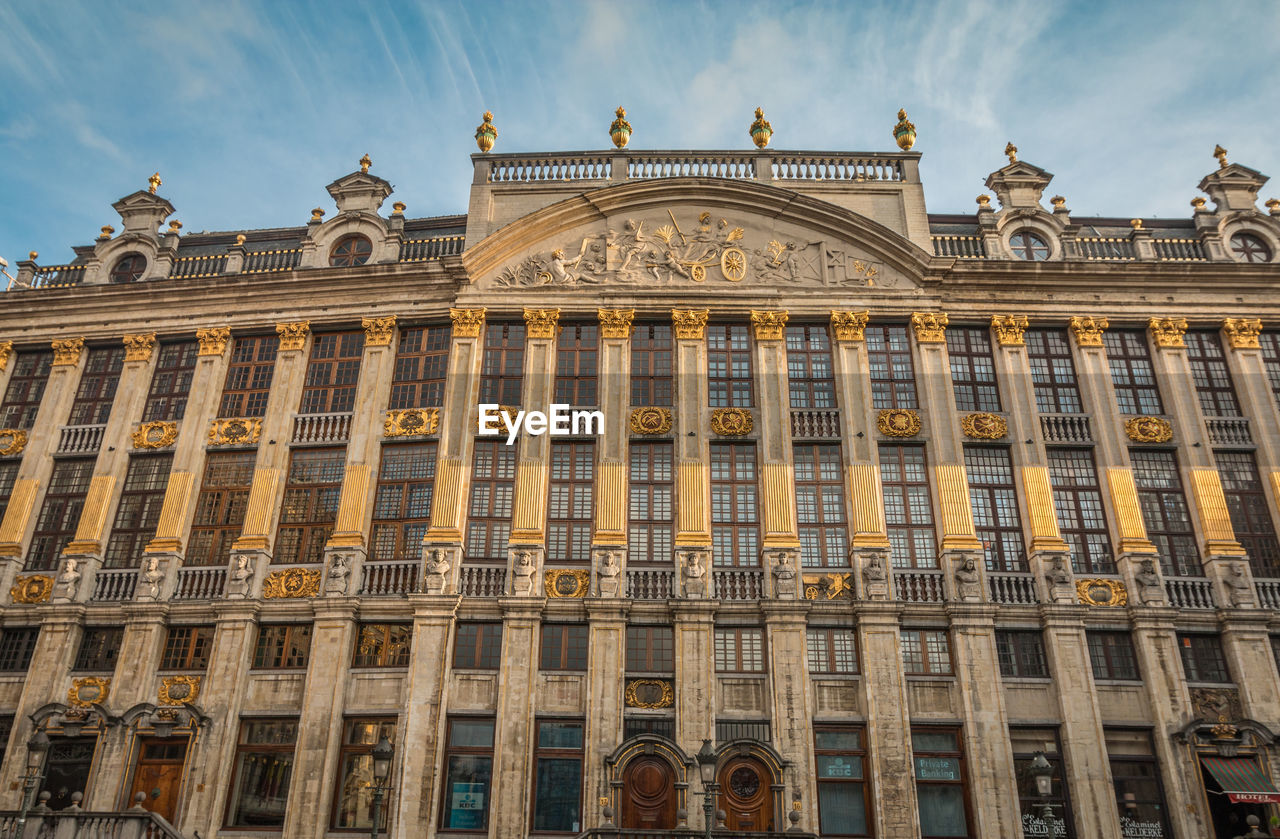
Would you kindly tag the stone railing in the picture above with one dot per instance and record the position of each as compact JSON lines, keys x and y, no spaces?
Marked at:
{"x":200,"y":583}
{"x":1179,"y":250}
{"x":691,"y":165}
{"x":738,"y":584}
{"x":964,"y":247}
{"x":1015,"y":587}
{"x":1268,"y":593}
{"x":115,"y":585}
{"x":80,"y":439}
{"x":423,"y":250}
{"x":650,"y":584}
{"x":1105,"y":248}
{"x":198,"y":266}
{"x":263,"y":262}
{"x":1189,"y":592}
{"x":74,"y":823}
{"x":815,"y":424}
{"x":50,"y":276}
{"x":541,"y":168}
{"x":808,"y":166}
{"x":1228,"y":431}
{"x":321,"y":428}
{"x":482,"y":581}
{"x":397,"y":577}
{"x":916,"y":586}
{"x":1066,"y":428}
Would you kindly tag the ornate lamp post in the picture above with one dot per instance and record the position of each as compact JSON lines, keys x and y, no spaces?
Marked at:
{"x":37,"y":748}
{"x":1042,"y":771}
{"x":382,"y":754}
{"x":707,"y":769}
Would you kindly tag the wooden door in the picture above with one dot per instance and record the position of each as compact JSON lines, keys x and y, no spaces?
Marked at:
{"x":159,"y":776}
{"x":746,"y":796}
{"x":649,"y":794}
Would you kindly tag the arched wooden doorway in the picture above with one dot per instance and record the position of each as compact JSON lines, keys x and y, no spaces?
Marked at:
{"x":649,"y":800}
{"x":746,"y":794}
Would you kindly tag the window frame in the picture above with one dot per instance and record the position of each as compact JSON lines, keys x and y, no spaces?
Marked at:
{"x":912,"y":500}
{"x":25,"y":390}
{"x":570,"y":502}
{"x":891,"y":364}
{"x":1054,"y":379}
{"x":862,"y":753}
{"x":421,"y":366}
{"x":822,"y":641}
{"x":651,"y":506}
{"x":810,"y":367}
{"x":246,"y":388}
{"x":1211,"y":374}
{"x":927,"y":666}
{"x":971,"y":358}
{"x":556,"y":753}
{"x":1080,"y":510}
{"x":1176,"y":542}
{"x":819,"y":478}
{"x":1202,"y":653}
{"x":962,"y":782}
{"x":171,"y":381}
{"x":729,"y":640}
{"x":1133,"y":372}
{"x":96,"y":391}
{"x":17,"y":647}
{"x":98,"y":650}
{"x":220,"y":508}
{"x":652,"y":365}
{"x":730,"y":366}
{"x":1021,"y":654}
{"x":992,"y":498}
{"x":333,"y":373}
{"x":244,"y":748}
{"x":318,"y":513}
{"x":383,"y":726}
{"x":1109,"y":668}
{"x":60,"y":510}
{"x":486,"y":645}
{"x":564,"y":647}
{"x":650,"y":645}
{"x":393,"y":650}
{"x":1250,"y":511}
{"x":578,"y":365}
{"x":479,"y":752}
{"x":735,"y":505}
{"x":137,"y":510}
{"x":491,"y":502}
{"x":406,"y":482}
{"x":187,"y":647}
{"x":281,"y":641}
{"x":502,"y":364}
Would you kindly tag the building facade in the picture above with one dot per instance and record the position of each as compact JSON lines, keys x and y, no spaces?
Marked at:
{"x":885,"y":505}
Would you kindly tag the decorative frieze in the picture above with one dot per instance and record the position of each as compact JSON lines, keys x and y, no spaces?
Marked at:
{"x":411,"y":421}
{"x":139,"y":347}
{"x":88,"y":690}
{"x":155,"y":435}
{"x":899,"y":422}
{"x":984,"y":426}
{"x":1009,"y":329}
{"x":1148,"y":430}
{"x":930,"y":327}
{"x":769,"y":326}
{"x":1167,"y":332}
{"x":6,"y":350}
{"x":1242,"y":333}
{"x":567,"y":583}
{"x":849,"y":326}
{"x":378,"y":331}
{"x":651,"y":421}
{"x":541,"y":323}
{"x":1102,"y":592}
{"x":467,"y":323}
{"x":615,"y":323}
{"x":690,"y":324}
{"x":35,"y":588}
{"x":238,"y":431}
{"x":291,"y":582}
{"x":12,"y":441}
{"x":213,"y":341}
{"x":175,"y":690}
{"x":828,"y":586}
{"x":66,"y":351}
{"x":649,"y":693}
{"x":732,"y":422}
{"x":293,"y":336}
{"x":1088,"y":330}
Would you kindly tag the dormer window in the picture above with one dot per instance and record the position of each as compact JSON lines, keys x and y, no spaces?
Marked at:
{"x":1249,"y":248}
{"x":129,"y":268}
{"x":1029,"y":246}
{"x":350,"y":251}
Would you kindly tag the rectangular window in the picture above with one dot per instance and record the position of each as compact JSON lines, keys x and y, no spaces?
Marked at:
{"x":650,"y":649}
{"x":1270,"y":342}
{"x":729,"y":366}
{"x":735,"y":517}
{"x":840,"y":755}
{"x":577,"y":364}
{"x":171,"y":382}
{"x":893,"y":378}
{"x":17,"y":645}
{"x":263,"y":770}
{"x":1078,"y":502}
{"x":557,"y":786}
{"x":422,"y":361}
{"x":739,"y":650}
{"x":60,"y":512}
{"x":8,"y":477}
{"x":1249,"y":511}
{"x":1112,"y":657}
{"x":383,"y":645}
{"x":729,"y":730}
{"x":1202,"y":658}
{"x":99,"y":647}
{"x":569,"y":517}
{"x":310,"y":507}
{"x":938,"y":757}
{"x":809,"y":367}
{"x":220,"y":507}
{"x":635,"y":725}
{"x":1053,"y":372}
{"x":332,"y":373}
{"x":248,"y":384}
{"x":1132,"y":374}
{"x":926,"y":652}
{"x":353,"y":799}
{"x":138,"y":514}
{"x":402,"y":506}
{"x":502,"y":370}
{"x":908,"y":508}
{"x":1021,"y":653}
{"x":832,"y":650}
{"x":651,"y":354}
{"x":1211,"y":375}
{"x":973,"y":369}
{"x":282,"y":646}
{"x":477,"y":646}
{"x":26,"y":389}
{"x":994,"y":499}
{"x":97,"y":388}
{"x":1164,"y":511}
{"x":187,"y":648}
{"x":651,"y":507}
{"x":820,"y":506}
{"x":1139,"y":794}
{"x":564,"y":647}
{"x":1027,"y":742}
{"x":468,"y":774}
{"x":493,"y":473}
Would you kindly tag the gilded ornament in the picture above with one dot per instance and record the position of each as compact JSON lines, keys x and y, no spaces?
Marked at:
{"x":35,"y":588}
{"x":6,"y":350}
{"x":732,"y":422}
{"x":849,"y":326}
{"x":293,"y":336}
{"x":733,"y":265}
{"x":828,"y":586}
{"x":769,"y":326}
{"x":1009,"y":329}
{"x":1102,"y":592}
{"x":898,"y":422}
{"x":1011,"y":152}
{"x":1058,"y":202}
{"x":498,"y":422}
{"x":904,"y":133}
{"x":1197,"y":204}
{"x":930,"y":327}
{"x":175,"y":227}
{"x":541,"y":323}
{"x":12,"y":441}
{"x":105,"y":235}
{"x":175,"y":690}
{"x":411,"y":421}
{"x":317,"y":214}
{"x":398,"y":208}
{"x":1148,"y":430}
{"x":377,"y":331}
{"x":365,"y":163}
{"x":1220,"y":153}
{"x":561,"y":582}
{"x":984,"y":426}
{"x":240,"y":237}
{"x":88,"y":690}
{"x":155,"y":435}
{"x":650,"y":420}
{"x":983,"y":201}
{"x":155,"y":183}
{"x":238,"y":431}
{"x":467,"y":323}
{"x":213,"y":341}
{"x":486,"y":134}
{"x":1088,"y":330}
{"x":1242,"y":333}
{"x":1272,"y":205}
{"x":649,"y":693}
{"x":139,"y":347}
{"x":760,"y":130}
{"x":620,"y":129}
{"x":1168,"y":332}
{"x":615,"y":323}
{"x":67,"y":351}
{"x":291,"y":582}
{"x":690,"y":324}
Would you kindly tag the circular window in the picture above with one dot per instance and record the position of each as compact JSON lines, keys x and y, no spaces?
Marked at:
{"x":129,"y":269}
{"x":1029,"y":246}
{"x":350,"y":250}
{"x":1249,"y":248}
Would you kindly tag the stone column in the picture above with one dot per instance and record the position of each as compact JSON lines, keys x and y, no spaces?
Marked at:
{"x":605,"y":704}
{"x":612,"y":455}
{"x":891,"y":771}
{"x":792,"y":701}
{"x":692,"y":449}
{"x":513,"y":736}
{"x":777,"y":462}
{"x":1253,"y":388}
{"x":696,"y":681}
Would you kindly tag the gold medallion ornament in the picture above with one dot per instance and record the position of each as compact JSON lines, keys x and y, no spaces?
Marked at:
{"x":615,"y":323}
{"x":1168,"y":332}
{"x":904,"y":133}
{"x":378,"y":331}
{"x":1088,"y":330}
{"x":769,"y":325}
{"x":467,"y":323}
{"x":898,"y":422}
{"x":1242,"y":333}
{"x":689,"y":324}
{"x":12,"y":441}
{"x":291,"y":582}
{"x":411,"y":421}
{"x":541,"y":323}
{"x":33,"y":589}
{"x":497,"y":422}
{"x":849,"y":326}
{"x":760,"y":130}
{"x":828,"y":586}
{"x":213,"y":341}
{"x":1148,"y":430}
{"x":561,"y":582}
{"x":6,"y":350}
{"x":984,"y":426}
{"x":930,"y":327}
{"x":1102,"y":592}
{"x":175,"y":690}
{"x":235,"y":432}
{"x":731,"y":422}
{"x":155,"y":435}
{"x":139,"y":347}
{"x":733,"y":265}
{"x":650,"y":420}
{"x":486,"y":134}
{"x":88,"y":690}
{"x":620,"y":129}
{"x":649,"y":693}
{"x":1009,"y":329}
{"x":293,"y":336}
{"x":67,"y":351}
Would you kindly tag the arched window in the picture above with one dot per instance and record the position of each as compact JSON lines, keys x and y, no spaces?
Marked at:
{"x":1249,"y":248}
{"x":350,"y":250}
{"x":129,"y":268}
{"x":1029,"y":246}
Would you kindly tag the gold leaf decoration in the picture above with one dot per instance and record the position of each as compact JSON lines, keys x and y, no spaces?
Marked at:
{"x":615,"y":323}
{"x":467,"y":323}
{"x":1102,"y":592}
{"x":378,"y":331}
{"x":213,"y":341}
{"x":6,"y":350}
{"x":293,"y":336}
{"x":174,"y":690}
{"x":291,"y":582}
{"x":567,"y":583}
{"x":690,"y":324}
{"x":541,"y":323}
{"x":67,"y":351}
{"x":649,"y":693}
{"x":984,"y":426}
{"x":1009,"y":329}
{"x":35,"y":588}
{"x":769,"y":326}
{"x":828,"y":586}
{"x":1088,"y":330}
{"x":139,"y":347}
{"x":155,"y":435}
{"x":12,"y":441}
{"x":88,"y":690}
{"x":1148,"y":430}
{"x":849,"y":326}
{"x":1168,"y":332}
{"x":930,"y":327}
{"x":237,"y":431}
{"x":899,"y":422}
{"x":732,"y":422}
{"x":1242,"y":333}
{"x":411,"y":421}
{"x":650,"y":420}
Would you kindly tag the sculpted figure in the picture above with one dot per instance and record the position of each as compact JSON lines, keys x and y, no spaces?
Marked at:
{"x":339,"y":570}
{"x":241,"y":575}
{"x":694,"y":575}
{"x":610,"y":575}
{"x":153,"y":576}
{"x":522,"y":579}
{"x":784,"y":576}
{"x":968,"y":583}
{"x":68,"y":581}
{"x":1149,"y":580}
{"x":437,"y":571}
{"x":1238,"y":587}
{"x":874,"y":571}
{"x":1059,"y":582}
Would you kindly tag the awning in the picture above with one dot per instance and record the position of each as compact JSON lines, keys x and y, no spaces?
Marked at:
{"x":1242,"y":779}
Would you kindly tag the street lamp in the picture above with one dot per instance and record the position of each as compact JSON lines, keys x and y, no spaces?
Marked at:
{"x":707,"y":769}
{"x":1042,"y":772}
{"x":382,"y":754}
{"x":37,"y":748}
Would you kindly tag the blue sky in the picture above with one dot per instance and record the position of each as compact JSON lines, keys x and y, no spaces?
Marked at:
{"x":249,"y":109}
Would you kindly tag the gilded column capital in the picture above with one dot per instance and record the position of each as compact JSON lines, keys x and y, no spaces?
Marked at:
{"x":67,"y":351}
{"x":139,"y":347}
{"x":293,"y":336}
{"x":849,"y":326}
{"x":1168,"y":332}
{"x":615,"y":323}
{"x":930,"y":327}
{"x":467,"y":323}
{"x":213,"y":341}
{"x":1009,"y":329}
{"x":1088,"y":330}
{"x":690,"y":324}
{"x":377,"y":331}
{"x":769,"y":326}
{"x":1242,"y":333}
{"x":6,"y":350}
{"x":541,"y":323}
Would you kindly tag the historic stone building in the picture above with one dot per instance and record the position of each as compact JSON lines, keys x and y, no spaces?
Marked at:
{"x":894,"y":509}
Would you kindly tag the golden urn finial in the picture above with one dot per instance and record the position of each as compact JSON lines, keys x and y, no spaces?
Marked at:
{"x":398,"y":208}
{"x":1273,"y":205}
{"x":155,"y":182}
{"x":1220,"y":153}
{"x":904,"y":133}
{"x":620,"y":129}
{"x":317,"y":214}
{"x":107,"y":230}
{"x":1197,"y":204}
{"x":486,"y":133}
{"x":760,"y":130}
{"x":365,"y":163}
{"x":175,"y":226}
{"x":984,"y":201}
{"x":1135,"y":223}
{"x":1011,"y":151}
{"x":32,"y":255}
{"x":240,"y":237}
